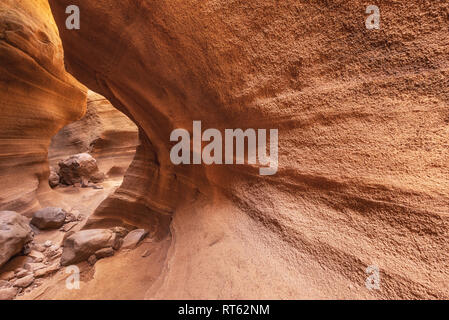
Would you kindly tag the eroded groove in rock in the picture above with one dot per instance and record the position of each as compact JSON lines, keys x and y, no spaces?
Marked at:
{"x":362,"y":119}
{"x":37,"y":96}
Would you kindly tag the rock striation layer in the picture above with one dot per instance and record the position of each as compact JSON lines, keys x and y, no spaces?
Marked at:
{"x":363,"y":126}
{"x":38,"y":97}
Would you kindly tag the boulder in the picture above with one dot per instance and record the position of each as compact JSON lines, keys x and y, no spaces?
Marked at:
{"x":133,"y":238}
{"x":49,"y":218}
{"x":15,"y":232}
{"x":8,"y":293}
{"x":82,"y":244}
{"x":80,"y":168}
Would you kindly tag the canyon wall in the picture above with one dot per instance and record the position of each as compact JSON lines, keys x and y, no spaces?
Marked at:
{"x":104,"y":132}
{"x":38,"y":97}
{"x":363,"y":126}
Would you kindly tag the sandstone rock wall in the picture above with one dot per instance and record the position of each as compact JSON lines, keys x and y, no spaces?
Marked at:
{"x":104,"y":132}
{"x":37,"y":98}
{"x":363,"y":126}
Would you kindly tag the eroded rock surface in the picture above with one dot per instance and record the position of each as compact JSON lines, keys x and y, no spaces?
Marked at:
{"x":362,"y":120}
{"x":38,"y":97}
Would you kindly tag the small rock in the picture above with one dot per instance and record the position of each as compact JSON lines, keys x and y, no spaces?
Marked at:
{"x":92,"y":260}
{"x":54,"y":252}
{"x":22,"y":273}
{"x":38,"y":247}
{"x":34,"y":266}
{"x":133,"y":238}
{"x":70,"y":217}
{"x":67,"y":227}
{"x":118,"y":244}
{"x":146,"y":253}
{"x":103,"y":253}
{"x":24,"y":282}
{"x":8,"y":293}
{"x":26,"y":249}
{"x":48,"y":243}
{"x":7,"y":275}
{"x":4,"y":284}
{"x":46,"y":271}
{"x":49,"y":218}
{"x":53,"y":248}
{"x":37,"y":256}
{"x":120,"y":231}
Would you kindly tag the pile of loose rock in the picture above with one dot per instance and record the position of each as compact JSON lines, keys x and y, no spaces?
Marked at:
{"x":77,"y":170}
{"x":44,"y":259}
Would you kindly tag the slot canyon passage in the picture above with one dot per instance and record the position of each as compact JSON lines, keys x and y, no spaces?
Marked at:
{"x":363,"y":124}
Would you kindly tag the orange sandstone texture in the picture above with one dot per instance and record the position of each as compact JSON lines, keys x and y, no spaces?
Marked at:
{"x":37,"y":98}
{"x":363,"y":128}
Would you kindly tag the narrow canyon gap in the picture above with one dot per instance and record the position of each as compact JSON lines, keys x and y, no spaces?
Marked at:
{"x":362,"y":177}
